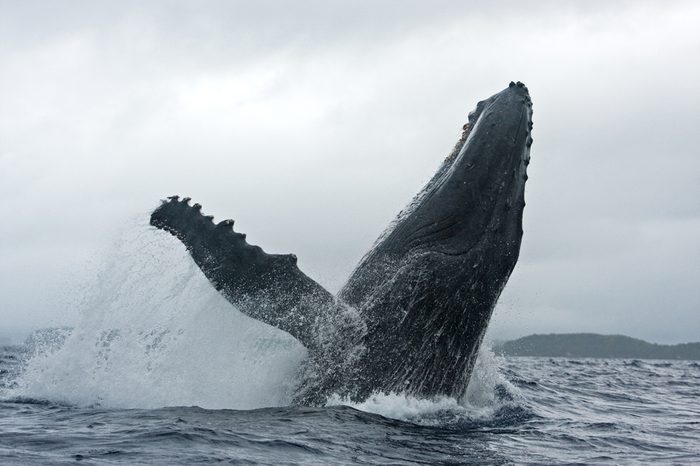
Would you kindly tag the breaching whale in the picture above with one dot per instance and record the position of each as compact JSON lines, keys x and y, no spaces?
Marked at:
{"x":413,"y":313}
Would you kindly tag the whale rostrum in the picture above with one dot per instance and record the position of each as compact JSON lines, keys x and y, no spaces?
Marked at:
{"x":412,"y":315}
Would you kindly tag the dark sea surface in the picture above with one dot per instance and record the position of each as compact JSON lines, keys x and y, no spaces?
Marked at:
{"x":535,"y":410}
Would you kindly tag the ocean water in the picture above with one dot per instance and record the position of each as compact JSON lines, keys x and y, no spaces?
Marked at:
{"x":542,"y":411}
{"x":162,"y":370}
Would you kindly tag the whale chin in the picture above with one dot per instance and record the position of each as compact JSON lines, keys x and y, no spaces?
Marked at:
{"x":414,"y":311}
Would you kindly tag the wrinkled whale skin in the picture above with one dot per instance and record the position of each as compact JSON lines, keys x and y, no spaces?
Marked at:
{"x":412,"y":315}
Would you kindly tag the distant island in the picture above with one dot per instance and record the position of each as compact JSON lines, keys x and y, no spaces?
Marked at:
{"x":592,"y":345}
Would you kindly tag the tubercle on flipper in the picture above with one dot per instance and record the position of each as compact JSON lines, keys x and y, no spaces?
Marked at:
{"x":186,"y":222}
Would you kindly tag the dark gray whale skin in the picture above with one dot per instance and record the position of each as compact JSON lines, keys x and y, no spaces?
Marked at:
{"x":412,"y":315}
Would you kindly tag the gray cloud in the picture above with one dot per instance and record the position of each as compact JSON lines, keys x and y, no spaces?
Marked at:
{"x":313,"y":123}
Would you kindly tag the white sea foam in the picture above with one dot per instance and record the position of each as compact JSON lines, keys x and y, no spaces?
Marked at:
{"x":155,"y":333}
{"x":480,"y":402}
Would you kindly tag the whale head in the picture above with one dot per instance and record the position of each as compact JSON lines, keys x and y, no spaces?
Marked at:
{"x":478,"y":193}
{"x":433,"y":278}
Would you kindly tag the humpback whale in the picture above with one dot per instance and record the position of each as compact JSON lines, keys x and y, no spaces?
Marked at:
{"x":412,"y":315}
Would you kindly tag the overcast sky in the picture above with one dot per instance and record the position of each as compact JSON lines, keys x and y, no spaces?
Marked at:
{"x":313,"y":123}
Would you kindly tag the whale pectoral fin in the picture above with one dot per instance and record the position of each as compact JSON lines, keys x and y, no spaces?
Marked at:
{"x":266,"y":287}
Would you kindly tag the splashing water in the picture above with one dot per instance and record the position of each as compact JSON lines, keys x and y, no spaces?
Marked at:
{"x":155,"y":333}
{"x":488,"y":393}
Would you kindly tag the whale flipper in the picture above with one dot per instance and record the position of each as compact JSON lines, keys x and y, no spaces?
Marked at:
{"x":266,"y":287}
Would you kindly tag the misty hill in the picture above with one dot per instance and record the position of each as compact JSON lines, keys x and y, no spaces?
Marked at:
{"x":592,"y":345}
